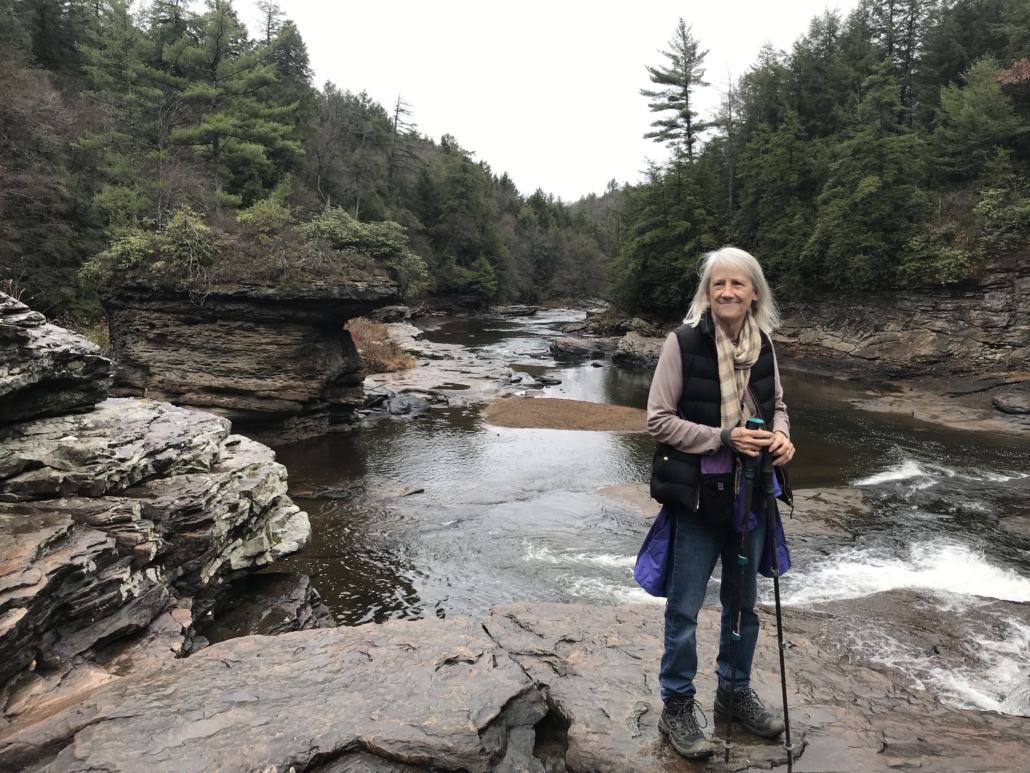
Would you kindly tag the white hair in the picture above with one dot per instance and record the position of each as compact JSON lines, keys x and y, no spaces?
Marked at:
{"x":763,"y":310}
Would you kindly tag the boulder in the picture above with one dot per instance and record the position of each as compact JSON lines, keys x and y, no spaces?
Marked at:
{"x":46,"y":370}
{"x":407,"y":405}
{"x":1013,"y":399}
{"x":516,"y":310}
{"x":639,"y":326}
{"x":635,"y":352}
{"x":570,"y":348}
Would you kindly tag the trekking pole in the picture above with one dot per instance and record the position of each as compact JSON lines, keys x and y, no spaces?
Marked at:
{"x":749,"y":485}
{"x":770,"y":529}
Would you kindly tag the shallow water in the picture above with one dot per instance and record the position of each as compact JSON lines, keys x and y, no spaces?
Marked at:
{"x":515,"y":514}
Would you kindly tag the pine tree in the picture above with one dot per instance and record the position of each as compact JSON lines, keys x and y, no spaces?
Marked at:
{"x":681,"y":79}
{"x":781,"y":174}
{"x":974,"y":121}
{"x":872,"y":203}
{"x":671,"y":226}
{"x":237,"y":124}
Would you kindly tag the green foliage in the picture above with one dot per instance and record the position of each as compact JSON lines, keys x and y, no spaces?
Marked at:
{"x":670,"y":228}
{"x":125,"y":253}
{"x":186,"y":241}
{"x":271,"y":214}
{"x":974,"y":121}
{"x":237,"y":126}
{"x":681,"y":79}
{"x":385,"y":242}
{"x":933,"y":257}
{"x":871,"y":204}
{"x":1003,"y":220}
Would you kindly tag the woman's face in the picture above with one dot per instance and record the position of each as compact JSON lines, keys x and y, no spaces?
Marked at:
{"x":730,"y":293}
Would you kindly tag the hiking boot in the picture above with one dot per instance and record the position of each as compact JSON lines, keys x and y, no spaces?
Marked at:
{"x":679,"y":724}
{"x":748,"y":709}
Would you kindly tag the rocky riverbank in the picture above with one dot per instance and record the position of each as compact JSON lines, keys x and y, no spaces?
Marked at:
{"x":126,"y":525}
{"x":536,"y":688}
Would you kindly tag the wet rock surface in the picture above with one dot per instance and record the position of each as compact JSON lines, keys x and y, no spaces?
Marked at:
{"x":278,"y":363}
{"x":433,"y":695}
{"x":44,"y":369}
{"x":446,"y":375}
{"x":534,"y":687}
{"x":269,"y":604}
{"x":1013,"y":399}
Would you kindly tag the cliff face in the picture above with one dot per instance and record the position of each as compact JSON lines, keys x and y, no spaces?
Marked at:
{"x":982,"y":326}
{"x":120,"y":524}
{"x":278,"y":364}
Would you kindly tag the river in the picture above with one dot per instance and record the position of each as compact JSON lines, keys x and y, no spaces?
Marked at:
{"x":517,"y":514}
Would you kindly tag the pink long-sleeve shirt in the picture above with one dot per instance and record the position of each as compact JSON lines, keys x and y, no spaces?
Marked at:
{"x":666,"y":426}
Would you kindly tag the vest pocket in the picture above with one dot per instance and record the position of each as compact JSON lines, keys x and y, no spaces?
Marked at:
{"x":716,"y":496}
{"x":674,"y":478}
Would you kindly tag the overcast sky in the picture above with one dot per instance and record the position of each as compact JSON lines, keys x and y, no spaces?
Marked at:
{"x":546,"y":91}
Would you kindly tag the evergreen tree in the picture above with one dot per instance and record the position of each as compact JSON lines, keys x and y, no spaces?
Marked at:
{"x":975,"y":121}
{"x":823,"y":76}
{"x":236,"y":123}
{"x":781,"y":174}
{"x":128,"y":136}
{"x":58,"y":28}
{"x":681,"y":79}
{"x":670,"y":228}
{"x":872,"y":203}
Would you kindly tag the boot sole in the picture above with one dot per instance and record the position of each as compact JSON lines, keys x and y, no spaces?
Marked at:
{"x":689,"y":753}
{"x":722,"y":711}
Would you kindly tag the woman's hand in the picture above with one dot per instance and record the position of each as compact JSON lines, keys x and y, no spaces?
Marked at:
{"x":781,"y":449}
{"x":750,"y":441}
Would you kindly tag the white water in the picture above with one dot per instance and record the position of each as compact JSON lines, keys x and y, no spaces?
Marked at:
{"x":936,"y":566}
{"x":998,"y":680}
{"x":923,"y":475}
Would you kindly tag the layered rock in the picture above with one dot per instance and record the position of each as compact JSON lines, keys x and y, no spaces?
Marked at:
{"x":108,"y":518}
{"x":277,"y":362}
{"x":436,"y":695}
{"x":44,"y":369}
{"x":982,"y":325}
{"x":121,"y":524}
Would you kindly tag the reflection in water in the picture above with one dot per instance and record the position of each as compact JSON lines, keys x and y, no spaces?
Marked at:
{"x":494,"y":498}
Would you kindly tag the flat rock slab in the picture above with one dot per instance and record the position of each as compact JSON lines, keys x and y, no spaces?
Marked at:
{"x":535,"y":688}
{"x":600,"y":665}
{"x":438,"y":695}
{"x":552,"y":413}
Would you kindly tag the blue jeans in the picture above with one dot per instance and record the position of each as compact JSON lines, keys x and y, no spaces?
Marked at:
{"x":696,"y":548}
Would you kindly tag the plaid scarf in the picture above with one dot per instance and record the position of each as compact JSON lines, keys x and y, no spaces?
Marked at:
{"x":735,"y":370}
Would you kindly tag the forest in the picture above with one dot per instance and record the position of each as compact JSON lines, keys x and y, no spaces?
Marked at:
{"x":887,"y":148}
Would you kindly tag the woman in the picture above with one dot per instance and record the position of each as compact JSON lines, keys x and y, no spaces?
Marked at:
{"x":715,"y":372}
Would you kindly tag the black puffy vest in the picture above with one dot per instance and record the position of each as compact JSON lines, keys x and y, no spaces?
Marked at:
{"x":675,"y":475}
{"x":701,"y":399}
